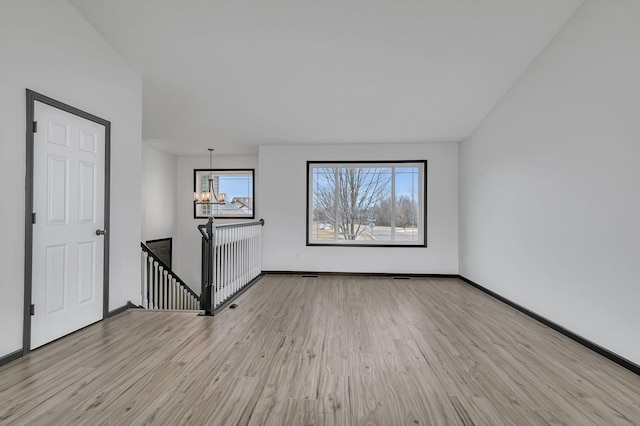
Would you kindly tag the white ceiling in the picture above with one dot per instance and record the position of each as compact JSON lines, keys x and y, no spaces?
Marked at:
{"x":234,"y":74}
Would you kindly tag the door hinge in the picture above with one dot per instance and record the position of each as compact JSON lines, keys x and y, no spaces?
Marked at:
{"x":33,"y":217}
{"x":33,"y":309}
{"x":35,"y":127}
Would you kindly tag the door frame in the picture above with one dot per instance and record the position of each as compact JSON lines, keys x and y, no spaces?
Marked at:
{"x":32,"y":98}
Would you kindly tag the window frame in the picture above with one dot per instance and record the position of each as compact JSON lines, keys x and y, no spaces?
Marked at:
{"x":197,"y":189}
{"x":422,"y":203}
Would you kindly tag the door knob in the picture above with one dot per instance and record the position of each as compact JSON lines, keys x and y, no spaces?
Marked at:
{"x":99,"y":232}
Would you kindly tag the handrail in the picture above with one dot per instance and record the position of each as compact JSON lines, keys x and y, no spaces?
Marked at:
{"x":162,"y":288}
{"x":240,"y":224}
{"x":202,"y":227}
{"x":166,"y":268}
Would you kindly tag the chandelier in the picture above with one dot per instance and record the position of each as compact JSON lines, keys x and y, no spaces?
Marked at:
{"x":210,"y":196}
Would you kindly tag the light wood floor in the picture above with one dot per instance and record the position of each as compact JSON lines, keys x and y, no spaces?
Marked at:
{"x":323,"y":351}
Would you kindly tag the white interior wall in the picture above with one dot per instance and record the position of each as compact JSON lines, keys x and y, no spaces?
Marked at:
{"x":159,"y":192}
{"x":49,"y":48}
{"x":550,"y":213}
{"x":187,"y":246}
{"x":282,"y":202}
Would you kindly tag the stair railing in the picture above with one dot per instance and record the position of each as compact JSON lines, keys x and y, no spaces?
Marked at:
{"x":231,"y":261}
{"x":162,"y":288}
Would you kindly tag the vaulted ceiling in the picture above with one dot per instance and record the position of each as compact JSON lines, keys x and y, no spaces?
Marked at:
{"x":235,"y":74}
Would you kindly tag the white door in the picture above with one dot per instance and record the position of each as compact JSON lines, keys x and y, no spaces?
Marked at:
{"x":68,"y":199}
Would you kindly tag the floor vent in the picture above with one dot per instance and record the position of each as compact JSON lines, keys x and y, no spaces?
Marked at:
{"x":309,"y":276}
{"x":401,"y":278}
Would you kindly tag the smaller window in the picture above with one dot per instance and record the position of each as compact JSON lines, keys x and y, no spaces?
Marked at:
{"x":366,"y":203}
{"x":234,"y":190}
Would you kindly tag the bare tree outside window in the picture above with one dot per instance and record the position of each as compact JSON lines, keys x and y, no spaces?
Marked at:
{"x":346,"y":197}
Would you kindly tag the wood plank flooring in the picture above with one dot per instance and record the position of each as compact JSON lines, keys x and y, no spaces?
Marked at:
{"x":332,"y":350}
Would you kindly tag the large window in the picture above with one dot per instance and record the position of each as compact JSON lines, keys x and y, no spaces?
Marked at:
{"x":366,"y":203}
